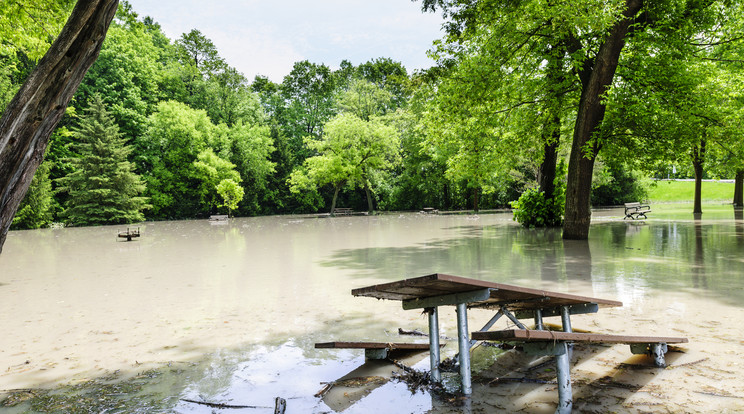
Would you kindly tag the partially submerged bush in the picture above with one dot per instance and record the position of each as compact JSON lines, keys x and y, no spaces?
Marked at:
{"x":534,"y":210}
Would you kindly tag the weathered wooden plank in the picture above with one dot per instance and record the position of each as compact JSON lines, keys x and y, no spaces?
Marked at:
{"x":528,"y":335}
{"x":440,"y":284}
{"x":371,"y":345}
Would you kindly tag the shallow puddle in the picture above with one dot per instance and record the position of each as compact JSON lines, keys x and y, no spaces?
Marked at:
{"x":228,"y":312}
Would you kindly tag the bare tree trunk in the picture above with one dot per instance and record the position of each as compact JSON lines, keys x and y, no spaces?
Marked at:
{"x":38,"y":106}
{"x":551,"y":132}
{"x":546,"y":174}
{"x":739,"y":189}
{"x":335,"y":197}
{"x":698,"y":159}
{"x":596,"y":80}
{"x":370,"y":204}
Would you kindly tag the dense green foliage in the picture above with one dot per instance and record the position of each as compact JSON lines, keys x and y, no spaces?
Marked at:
{"x":534,"y":209}
{"x":103,"y":189}
{"x":495,"y":118}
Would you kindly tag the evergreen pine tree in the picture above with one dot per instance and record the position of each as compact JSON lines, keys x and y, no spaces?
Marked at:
{"x":103,"y":189}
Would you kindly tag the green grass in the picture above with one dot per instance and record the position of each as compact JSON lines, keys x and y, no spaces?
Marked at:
{"x":683,"y":191}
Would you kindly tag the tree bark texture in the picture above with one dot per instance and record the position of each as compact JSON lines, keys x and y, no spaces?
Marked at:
{"x":551,"y":132}
{"x":370,"y":203}
{"x":546,"y":173}
{"x":739,"y":189}
{"x":591,"y":111}
{"x":335,"y":198}
{"x":698,"y":160}
{"x":38,"y":106}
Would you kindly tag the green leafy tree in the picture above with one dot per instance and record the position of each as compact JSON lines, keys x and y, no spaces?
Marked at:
{"x":350,"y":151}
{"x":365,"y":99}
{"x":231,"y":194}
{"x":176,"y":134}
{"x":126,"y":75}
{"x":212,"y":170}
{"x":103,"y":188}
{"x":590,"y":38}
{"x":36,"y":209}
{"x":252,"y":148}
{"x":388,"y":75}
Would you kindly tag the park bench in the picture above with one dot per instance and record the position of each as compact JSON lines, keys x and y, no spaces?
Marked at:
{"x":218,"y":217}
{"x":636,"y":210}
{"x":374,"y":350}
{"x":342,"y":211}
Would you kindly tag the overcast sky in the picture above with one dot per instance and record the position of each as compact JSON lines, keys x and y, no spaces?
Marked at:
{"x":266,"y":37}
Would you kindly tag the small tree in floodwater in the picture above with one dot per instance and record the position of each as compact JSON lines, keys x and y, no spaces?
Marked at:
{"x":103,"y":188}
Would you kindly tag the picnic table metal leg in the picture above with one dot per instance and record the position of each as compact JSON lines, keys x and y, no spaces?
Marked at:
{"x":566,"y":318}
{"x":539,"y":320}
{"x":565,"y":397}
{"x":464,"y":348}
{"x":566,"y":322}
{"x":436,"y":375}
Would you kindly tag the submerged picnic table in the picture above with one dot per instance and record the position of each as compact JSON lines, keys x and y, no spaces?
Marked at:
{"x":515,"y":302}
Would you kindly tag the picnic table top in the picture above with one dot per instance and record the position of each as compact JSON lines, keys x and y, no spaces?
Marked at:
{"x":517,"y":297}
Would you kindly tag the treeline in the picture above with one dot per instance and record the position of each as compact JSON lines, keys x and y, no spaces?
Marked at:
{"x":165,"y":129}
{"x":187,"y":121}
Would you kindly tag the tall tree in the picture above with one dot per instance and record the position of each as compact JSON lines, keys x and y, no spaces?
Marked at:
{"x":31,"y":116}
{"x":175,"y":136}
{"x":349,"y":152}
{"x":103,"y":188}
{"x":592,"y":35}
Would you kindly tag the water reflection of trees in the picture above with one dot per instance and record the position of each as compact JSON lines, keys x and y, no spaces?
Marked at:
{"x":498,"y":253}
{"x":656,"y":255}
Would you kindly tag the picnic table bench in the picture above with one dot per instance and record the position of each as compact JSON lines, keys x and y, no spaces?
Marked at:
{"x":342,"y":211}
{"x":374,"y":350}
{"x":515,"y":302}
{"x":636,"y":210}
{"x":129,"y":234}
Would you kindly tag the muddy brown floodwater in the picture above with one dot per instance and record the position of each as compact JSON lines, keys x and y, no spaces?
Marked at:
{"x":228,"y":312}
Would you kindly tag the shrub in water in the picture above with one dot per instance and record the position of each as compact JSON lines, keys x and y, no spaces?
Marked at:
{"x":534,"y":210}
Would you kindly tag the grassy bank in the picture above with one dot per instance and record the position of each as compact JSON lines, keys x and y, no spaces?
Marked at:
{"x":683,"y":191}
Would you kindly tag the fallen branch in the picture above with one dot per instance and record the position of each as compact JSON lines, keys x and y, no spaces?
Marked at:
{"x":220,"y":405}
{"x":326,"y":387}
{"x":414,"y":332}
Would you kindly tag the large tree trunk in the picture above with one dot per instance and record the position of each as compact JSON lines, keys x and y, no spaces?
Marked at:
{"x":335,"y":197}
{"x":370,"y":204}
{"x":698,"y":159}
{"x":591,"y":111}
{"x":546,"y":174}
{"x":739,"y":189}
{"x":551,"y":132}
{"x":38,"y":106}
